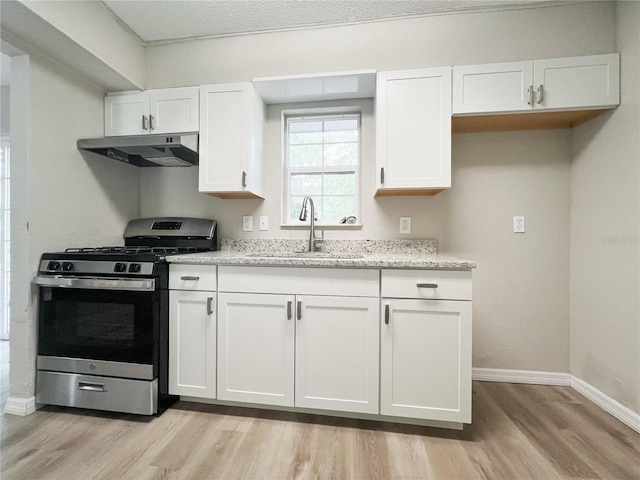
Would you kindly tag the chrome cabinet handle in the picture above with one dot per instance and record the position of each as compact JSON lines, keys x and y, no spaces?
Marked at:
{"x":541,"y":97}
{"x":382,"y":175}
{"x":299,"y":310}
{"x":530,"y":92}
{"x":188,"y":277}
{"x":209,"y":305}
{"x":144,"y":122}
{"x":386,"y":314}
{"x":244,"y":179}
{"x":91,"y":387}
{"x":427,"y":285}
{"x":289,"y":310}
{"x":151,"y":122}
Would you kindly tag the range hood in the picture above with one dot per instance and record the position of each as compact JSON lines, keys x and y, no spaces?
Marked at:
{"x":145,"y":150}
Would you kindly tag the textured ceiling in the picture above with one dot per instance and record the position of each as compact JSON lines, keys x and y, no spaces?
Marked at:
{"x":170,"y":20}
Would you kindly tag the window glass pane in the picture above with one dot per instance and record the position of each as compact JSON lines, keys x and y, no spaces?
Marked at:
{"x":306,"y":184}
{"x":341,"y":154}
{"x":337,"y":207}
{"x":339,"y":184}
{"x":343,"y":130}
{"x":305,"y":132}
{"x":305,"y":155}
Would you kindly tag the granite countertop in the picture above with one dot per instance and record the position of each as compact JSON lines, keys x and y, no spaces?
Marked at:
{"x":334,"y":253}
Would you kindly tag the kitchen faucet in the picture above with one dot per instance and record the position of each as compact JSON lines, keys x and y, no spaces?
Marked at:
{"x":312,"y":229}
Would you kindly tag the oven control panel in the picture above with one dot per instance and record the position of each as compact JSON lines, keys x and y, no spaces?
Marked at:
{"x":96,"y":267}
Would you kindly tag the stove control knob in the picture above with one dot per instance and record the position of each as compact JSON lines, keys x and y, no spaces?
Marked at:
{"x":53,"y":265}
{"x":67,"y":266}
{"x":134,"y":267}
{"x":120,"y":267}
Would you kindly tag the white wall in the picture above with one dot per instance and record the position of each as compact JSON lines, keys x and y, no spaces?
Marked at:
{"x":93,"y":26}
{"x":59,"y":199}
{"x":605,"y":223}
{"x":495,"y":176}
{"x":5,"y":123}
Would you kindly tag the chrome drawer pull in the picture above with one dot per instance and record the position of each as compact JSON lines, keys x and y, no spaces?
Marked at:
{"x":91,"y":387}
{"x":289,"y":310}
{"x":186,"y":277}
{"x":427,"y":285}
{"x":386,"y":314}
{"x":209,"y":305}
{"x":299,"y":310}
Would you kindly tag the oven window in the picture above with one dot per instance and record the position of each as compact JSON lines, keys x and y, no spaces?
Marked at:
{"x":108,"y":325}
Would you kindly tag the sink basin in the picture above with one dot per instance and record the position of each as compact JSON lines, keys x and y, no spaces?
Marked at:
{"x":327,"y":255}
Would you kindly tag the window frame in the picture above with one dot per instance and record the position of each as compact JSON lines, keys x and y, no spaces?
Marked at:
{"x":319,"y":113}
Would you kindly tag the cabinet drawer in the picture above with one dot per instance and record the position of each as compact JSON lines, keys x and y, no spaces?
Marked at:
{"x":431,"y":284}
{"x":192,"y":277}
{"x":300,"y":281}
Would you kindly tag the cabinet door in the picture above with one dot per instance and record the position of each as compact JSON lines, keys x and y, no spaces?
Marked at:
{"x":123,"y":114}
{"x":413,"y":130}
{"x":192,"y":343}
{"x":337,"y":353}
{"x":426,"y":359}
{"x":577,"y":82}
{"x":174,"y":110}
{"x":231,"y":140}
{"x":492,"y":88}
{"x":256,"y":348}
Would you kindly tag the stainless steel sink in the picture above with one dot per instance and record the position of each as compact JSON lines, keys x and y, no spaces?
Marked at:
{"x":324,"y":255}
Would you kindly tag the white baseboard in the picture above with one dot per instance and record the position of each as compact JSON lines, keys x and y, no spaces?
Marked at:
{"x":521,"y":376}
{"x":608,"y":404}
{"x":20,"y":406}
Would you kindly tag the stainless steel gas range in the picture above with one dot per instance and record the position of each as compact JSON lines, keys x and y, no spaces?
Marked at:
{"x":103,"y":318}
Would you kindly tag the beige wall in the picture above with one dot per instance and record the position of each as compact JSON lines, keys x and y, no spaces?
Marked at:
{"x":58,"y":199}
{"x":605,"y":223}
{"x":521,"y":300}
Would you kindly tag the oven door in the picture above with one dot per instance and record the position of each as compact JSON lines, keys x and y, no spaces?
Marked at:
{"x":100,"y":326}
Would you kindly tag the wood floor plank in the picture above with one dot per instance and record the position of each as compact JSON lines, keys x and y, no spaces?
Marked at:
{"x":518,"y":432}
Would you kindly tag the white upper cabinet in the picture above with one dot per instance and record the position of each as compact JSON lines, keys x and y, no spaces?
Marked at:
{"x":168,"y":110}
{"x":553,"y":84}
{"x":413,"y":131}
{"x":232,"y":119}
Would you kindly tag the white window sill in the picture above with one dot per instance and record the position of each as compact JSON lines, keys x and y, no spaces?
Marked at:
{"x":331,"y":226}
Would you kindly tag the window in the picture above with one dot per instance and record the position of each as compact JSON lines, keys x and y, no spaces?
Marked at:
{"x":322,"y":158}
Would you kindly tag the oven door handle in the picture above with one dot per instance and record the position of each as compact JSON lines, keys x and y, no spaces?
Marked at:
{"x":130,"y":284}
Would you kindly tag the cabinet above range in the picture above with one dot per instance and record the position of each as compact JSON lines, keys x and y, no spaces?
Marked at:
{"x":166,"y":110}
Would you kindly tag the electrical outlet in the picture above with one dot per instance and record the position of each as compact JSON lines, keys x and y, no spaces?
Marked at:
{"x":264,"y":222}
{"x":518,"y":224}
{"x":247,"y":223}
{"x":405,"y":224}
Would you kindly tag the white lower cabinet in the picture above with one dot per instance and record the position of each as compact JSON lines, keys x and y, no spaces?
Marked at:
{"x":290,"y":348}
{"x":192,"y":343}
{"x":426,"y":349}
{"x":386,"y":343}
{"x":192,"y":330}
{"x":337,"y":353}
{"x":256,"y":348}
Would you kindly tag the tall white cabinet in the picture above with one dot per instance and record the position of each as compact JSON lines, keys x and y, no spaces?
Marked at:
{"x":192,"y":331}
{"x":232,"y":118}
{"x":413,"y":131}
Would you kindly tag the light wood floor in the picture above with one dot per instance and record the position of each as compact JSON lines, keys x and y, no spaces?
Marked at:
{"x":518,"y":432}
